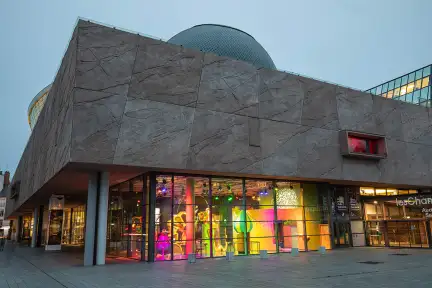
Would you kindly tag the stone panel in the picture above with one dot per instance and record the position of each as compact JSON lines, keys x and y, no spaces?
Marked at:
{"x":154,"y":134}
{"x":415,"y":124}
{"x":388,"y":117}
{"x":280,"y":146}
{"x":319,"y":104}
{"x":105,"y":56}
{"x":319,"y":155}
{"x":96,"y":123}
{"x":166,"y":73}
{"x":361,"y":170}
{"x":220,"y":142}
{"x":229,"y":86}
{"x":355,"y":111}
{"x":392,"y":166}
{"x":282,"y":99}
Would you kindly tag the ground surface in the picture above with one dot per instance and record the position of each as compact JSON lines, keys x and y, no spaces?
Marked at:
{"x":26,"y":267}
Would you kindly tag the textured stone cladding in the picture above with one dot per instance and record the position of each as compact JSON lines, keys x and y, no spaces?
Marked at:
{"x":124,"y":99}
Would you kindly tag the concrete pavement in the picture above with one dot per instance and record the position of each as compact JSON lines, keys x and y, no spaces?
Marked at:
{"x":339,"y":268}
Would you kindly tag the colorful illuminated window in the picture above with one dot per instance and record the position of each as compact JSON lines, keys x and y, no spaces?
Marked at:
{"x":362,"y":145}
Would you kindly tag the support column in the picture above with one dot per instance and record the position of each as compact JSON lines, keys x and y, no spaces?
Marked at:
{"x":40,"y":227}
{"x":35,"y":226}
{"x":151,"y":218}
{"x":190,"y":216}
{"x":102,"y":218}
{"x":90,"y":231}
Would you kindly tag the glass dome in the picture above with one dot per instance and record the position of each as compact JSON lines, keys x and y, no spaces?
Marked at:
{"x":224,"y":41}
{"x":36,"y":106}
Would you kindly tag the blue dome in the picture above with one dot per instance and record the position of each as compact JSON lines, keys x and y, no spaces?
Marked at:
{"x":224,"y":41}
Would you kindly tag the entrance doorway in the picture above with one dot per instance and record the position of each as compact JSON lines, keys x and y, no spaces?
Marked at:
{"x":342,"y":232}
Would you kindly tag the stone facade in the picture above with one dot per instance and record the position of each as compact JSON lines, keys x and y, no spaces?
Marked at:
{"x":124,"y":99}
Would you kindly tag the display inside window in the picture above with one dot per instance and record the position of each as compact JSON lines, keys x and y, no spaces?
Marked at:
{"x":55,"y":227}
{"x":362,"y":145}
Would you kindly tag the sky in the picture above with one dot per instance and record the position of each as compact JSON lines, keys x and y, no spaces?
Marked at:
{"x":354,"y":43}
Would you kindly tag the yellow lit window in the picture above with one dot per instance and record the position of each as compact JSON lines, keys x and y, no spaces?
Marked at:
{"x":403,"y":90}
{"x":425,"y":82}
{"x":380,"y":192}
{"x":392,"y":191}
{"x":396,"y":92}
{"x":384,"y":95}
{"x":412,"y":191}
{"x":390,"y":94}
{"x":418,"y":84}
{"x":403,"y":192}
{"x":410,"y":87}
{"x":367,"y":191}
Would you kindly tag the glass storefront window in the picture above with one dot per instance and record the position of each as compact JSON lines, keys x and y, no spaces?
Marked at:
{"x":367,"y":191}
{"x":425,"y":82}
{"x":418,"y":74}
{"x":392,"y":192}
{"x":404,"y":80}
{"x":380,"y":192}
{"x":413,"y":192}
{"x":403,"y":90}
{"x":398,"y":82}
{"x":403,"y":192}
{"x":411,"y":77}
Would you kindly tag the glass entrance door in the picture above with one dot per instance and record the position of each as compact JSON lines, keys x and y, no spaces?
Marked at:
{"x":407,"y":234}
{"x":375,"y":233}
{"x":342,"y":231}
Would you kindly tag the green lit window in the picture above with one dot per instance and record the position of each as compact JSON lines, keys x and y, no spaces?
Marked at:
{"x":416,"y":97}
{"x":425,"y":82}
{"x":417,"y":84}
{"x":411,"y":77}
{"x":404,"y":80}
{"x":396,"y":92}
{"x":378,"y":90}
{"x":384,"y":87}
{"x":398,"y":82}
{"x":426,"y":71}
{"x":418,"y":74}
{"x":391,"y":85}
{"x":409,"y":98}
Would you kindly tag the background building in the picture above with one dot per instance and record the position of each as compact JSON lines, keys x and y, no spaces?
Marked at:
{"x":36,"y":106}
{"x":175,"y":151}
{"x":4,"y":222}
{"x":414,"y":87}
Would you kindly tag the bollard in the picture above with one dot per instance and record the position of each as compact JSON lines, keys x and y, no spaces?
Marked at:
{"x":263,"y":254}
{"x":322,"y":250}
{"x":294,"y":251}
{"x":230,"y":256}
{"x":191,"y":258}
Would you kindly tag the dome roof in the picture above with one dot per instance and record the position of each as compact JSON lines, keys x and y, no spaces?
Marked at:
{"x":224,"y":41}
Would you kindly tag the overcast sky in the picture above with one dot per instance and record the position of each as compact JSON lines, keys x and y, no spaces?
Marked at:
{"x":349,"y":42}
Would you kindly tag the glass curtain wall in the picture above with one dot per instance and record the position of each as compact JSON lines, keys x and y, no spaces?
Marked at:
{"x":210,"y":216}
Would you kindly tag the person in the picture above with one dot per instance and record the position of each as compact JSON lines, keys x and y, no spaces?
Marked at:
{"x":2,"y":243}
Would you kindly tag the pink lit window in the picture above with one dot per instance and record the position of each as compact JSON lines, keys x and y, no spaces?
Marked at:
{"x":362,"y":145}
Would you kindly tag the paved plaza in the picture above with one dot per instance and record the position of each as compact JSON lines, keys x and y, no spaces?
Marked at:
{"x":27,"y":267}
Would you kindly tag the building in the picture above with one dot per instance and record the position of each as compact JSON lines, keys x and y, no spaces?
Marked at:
{"x":4,"y":223}
{"x":164,"y":152}
{"x":414,"y":87}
